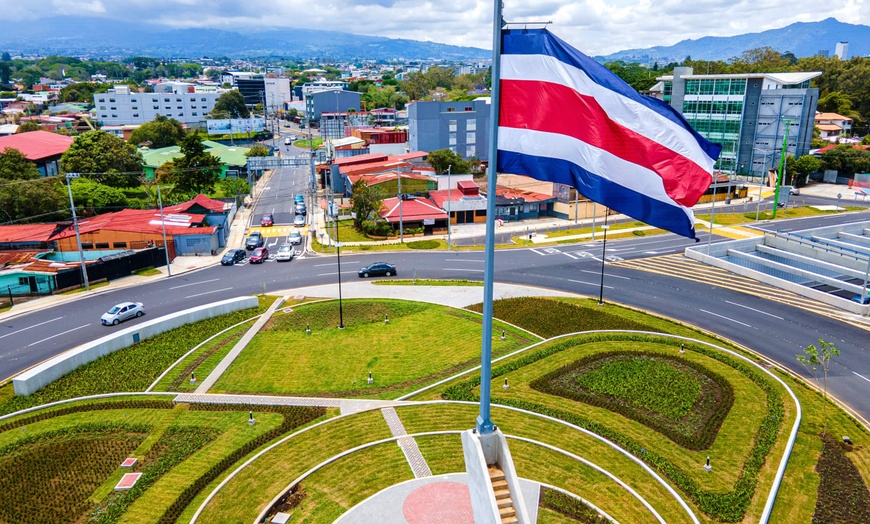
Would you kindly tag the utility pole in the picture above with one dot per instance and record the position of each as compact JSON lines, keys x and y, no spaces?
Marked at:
{"x":163,"y":227}
{"x":72,"y":206}
{"x":401,"y":228}
{"x":781,"y":167}
{"x":449,"y":218}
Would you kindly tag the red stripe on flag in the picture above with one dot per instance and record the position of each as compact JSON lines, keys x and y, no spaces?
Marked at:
{"x":555,"y":108}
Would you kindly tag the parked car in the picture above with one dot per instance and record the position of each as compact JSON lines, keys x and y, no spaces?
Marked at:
{"x":294,"y":238}
{"x":121,"y":312}
{"x":301,"y":209}
{"x":232,"y":256}
{"x":260,"y":255}
{"x":285,"y":252}
{"x":254,"y":241}
{"x":299,"y":198}
{"x":267,"y":220}
{"x":299,"y":220}
{"x":377,"y":269}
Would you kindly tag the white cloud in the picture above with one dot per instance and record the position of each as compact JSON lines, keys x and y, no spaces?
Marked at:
{"x":594,"y":26}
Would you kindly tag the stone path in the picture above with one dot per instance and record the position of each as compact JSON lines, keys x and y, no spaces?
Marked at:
{"x":409,"y":446}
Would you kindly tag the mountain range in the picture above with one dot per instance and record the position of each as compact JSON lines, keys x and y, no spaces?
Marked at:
{"x":100,"y":37}
{"x":802,"y":39}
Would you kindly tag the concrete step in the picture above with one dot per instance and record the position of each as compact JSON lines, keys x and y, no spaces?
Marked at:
{"x":509,"y":520}
{"x":507,"y":512}
{"x":502,"y":493}
{"x":505,"y":502}
{"x":499,"y":484}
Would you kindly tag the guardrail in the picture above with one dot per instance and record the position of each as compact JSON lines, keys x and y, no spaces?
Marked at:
{"x":828,"y":248}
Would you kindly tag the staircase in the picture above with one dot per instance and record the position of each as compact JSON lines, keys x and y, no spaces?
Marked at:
{"x":502,"y":496}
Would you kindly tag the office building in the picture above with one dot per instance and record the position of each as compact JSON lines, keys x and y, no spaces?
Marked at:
{"x":462,"y":127}
{"x":119,"y":106}
{"x":748,"y":114}
{"x":335,"y":101}
{"x":842,"y":50}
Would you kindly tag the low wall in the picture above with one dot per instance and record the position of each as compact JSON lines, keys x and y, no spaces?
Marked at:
{"x":31,"y":380}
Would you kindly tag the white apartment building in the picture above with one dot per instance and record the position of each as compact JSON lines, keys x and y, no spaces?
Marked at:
{"x":120,"y":106}
{"x":322,"y":85}
{"x":278,"y":92}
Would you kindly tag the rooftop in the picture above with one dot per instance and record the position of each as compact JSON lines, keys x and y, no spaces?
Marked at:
{"x":36,"y":145}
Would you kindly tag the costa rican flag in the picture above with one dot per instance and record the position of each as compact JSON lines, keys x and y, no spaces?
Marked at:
{"x":565,"y":118}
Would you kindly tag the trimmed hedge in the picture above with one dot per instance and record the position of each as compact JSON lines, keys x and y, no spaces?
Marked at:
{"x":842,"y":495}
{"x":726,"y":507}
{"x":570,"y":507}
{"x":294,"y":417}
{"x":78,"y":408}
{"x":548,"y":317}
{"x":697,"y":431}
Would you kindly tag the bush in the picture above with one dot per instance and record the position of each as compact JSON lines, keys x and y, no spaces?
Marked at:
{"x":377,"y":228}
{"x":570,"y":507}
{"x":842,"y":494}
{"x":424,"y":244}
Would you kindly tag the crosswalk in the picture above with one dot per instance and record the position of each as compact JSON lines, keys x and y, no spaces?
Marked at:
{"x":680,"y":266}
{"x":277,"y":231}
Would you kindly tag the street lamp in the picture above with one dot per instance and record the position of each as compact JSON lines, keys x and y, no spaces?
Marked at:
{"x":448,"y":206}
{"x":605,"y":227}
{"x":69,"y":177}
{"x":163,"y":227}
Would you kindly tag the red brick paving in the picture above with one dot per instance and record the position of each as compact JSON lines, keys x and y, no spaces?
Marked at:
{"x":439,"y":503}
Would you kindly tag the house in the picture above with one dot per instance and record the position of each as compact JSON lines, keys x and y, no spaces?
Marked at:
{"x":414,"y":212}
{"x":517,"y":204}
{"x":464,"y":203}
{"x":233,"y":159}
{"x":832,"y":125}
{"x":40,"y":147}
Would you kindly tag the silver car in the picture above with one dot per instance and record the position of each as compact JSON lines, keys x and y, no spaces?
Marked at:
{"x":285,"y":252}
{"x":121,"y":312}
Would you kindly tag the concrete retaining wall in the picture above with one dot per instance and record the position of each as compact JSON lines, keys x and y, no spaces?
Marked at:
{"x":31,"y":380}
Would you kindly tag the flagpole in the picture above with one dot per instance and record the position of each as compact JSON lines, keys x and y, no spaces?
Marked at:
{"x":484,"y":423}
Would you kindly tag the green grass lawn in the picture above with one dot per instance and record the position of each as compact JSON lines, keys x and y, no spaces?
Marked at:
{"x":282,"y":359}
{"x":734,"y":219}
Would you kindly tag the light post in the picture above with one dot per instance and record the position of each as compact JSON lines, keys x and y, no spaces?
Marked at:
{"x":72,"y":206}
{"x":163,"y":227}
{"x":712,"y":211}
{"x":605,"y":227}
{"x":401,"y":226}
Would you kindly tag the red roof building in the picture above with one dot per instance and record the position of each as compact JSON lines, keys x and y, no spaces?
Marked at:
{"x":415,"y":212}
{"x":40,"y":147}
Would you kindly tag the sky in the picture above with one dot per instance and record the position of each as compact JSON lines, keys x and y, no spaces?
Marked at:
{"x":596,"y":27}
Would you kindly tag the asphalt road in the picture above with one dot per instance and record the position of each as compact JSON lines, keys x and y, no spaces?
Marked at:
{"x":776,"y":330}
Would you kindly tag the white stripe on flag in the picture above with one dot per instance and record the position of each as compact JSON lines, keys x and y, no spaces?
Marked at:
{"x":623,"y":110}
{"x":598,"y":161}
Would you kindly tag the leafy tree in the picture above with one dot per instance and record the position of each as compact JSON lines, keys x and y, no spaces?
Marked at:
{"x":94,"y":198}
{"x":813,"y":359}
{"x":38,"y":200}
{"x":441,"y":159}
{"x":846,"y":160}
{"x":234,"y":187}
{"x":5,"y":57}
{"x":15,"y":166}
{"x":837,"y":102}
{"x":197,"y":170}
{"x":5,"y":72}
{"x":415,"y":86}
{"x":160,"y":132}
{"x":28,"y":126}
{"x":804,"y":166}
{"x":78,"y":92}
{"x":365,"y":200}
{"x":103,"y":157}
{"x":258,"y":150}
{"x":230,"y":104}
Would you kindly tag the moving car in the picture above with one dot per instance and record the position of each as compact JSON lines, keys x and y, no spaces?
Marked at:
{"x":299,"y":198}
{"x":121,"y":312}
{"x":254,"y":241}
{"x":301,"y":209}
{"x":232,"y":256}
{"x":267,"y":220}
{"x":260,"y":255}
{"x":299,"y":220}
{"x":794,"y":191}
{"x":285,"y":252}
{"x":377,"y":269}
{"x":287,"y":141}
{"x":858,"y":299}
{"x":294,"y":238}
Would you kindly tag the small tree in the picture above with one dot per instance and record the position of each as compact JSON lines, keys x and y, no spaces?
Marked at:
{"x":441,"y":159}
{"x":230,"y":104}
{"x":813,"y":360}
{"x":364,"y":201}
{"x":258,"y":150}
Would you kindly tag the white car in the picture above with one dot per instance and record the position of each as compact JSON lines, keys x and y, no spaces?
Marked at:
{"x":294,"y":238}
{"x":299,"y":220}
{"x":287,"y":141}
{"x":285,"y":252}
{"x":121,"y":312}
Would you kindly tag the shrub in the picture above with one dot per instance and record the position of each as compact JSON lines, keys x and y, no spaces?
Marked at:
{"x":570,"y":507}
{"x":842,"y":495}
{"x":424,"y":244}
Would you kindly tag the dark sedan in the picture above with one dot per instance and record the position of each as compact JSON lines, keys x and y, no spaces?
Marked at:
{"x":378,"y":269}
{"x":232,"y":256}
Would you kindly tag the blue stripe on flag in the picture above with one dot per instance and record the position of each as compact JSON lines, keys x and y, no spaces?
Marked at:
{"x":637,"y":205}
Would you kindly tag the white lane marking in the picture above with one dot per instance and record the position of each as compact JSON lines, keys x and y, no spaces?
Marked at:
{"x":570,"y":255}
{"x":753,"y":309}
{"x":862,"y":376}
{"x":334,"y":273}
{"x":30,"y":327}
{"x":588,"y":283}
{"x":462,"y":260}
{"x":323,"y":265}
{"x":209,"y":292}
{"x":273,"y":243}
{"x":59,"y":334}
{"x":538,"y":252}
{"x":459,"y":269}
{"x":726,"y":318}
{"x":195,"y":283}
{"x":608,"y":274}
